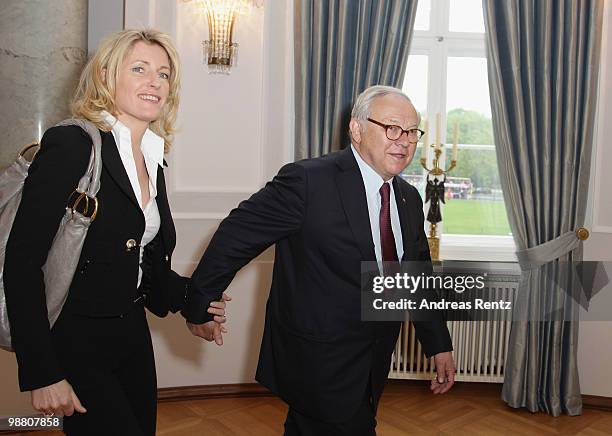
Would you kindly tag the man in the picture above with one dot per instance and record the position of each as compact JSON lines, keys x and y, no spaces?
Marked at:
{"x":326,"y":216}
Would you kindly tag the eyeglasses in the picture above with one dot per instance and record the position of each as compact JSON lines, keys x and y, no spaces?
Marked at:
{"x":395,"y":132}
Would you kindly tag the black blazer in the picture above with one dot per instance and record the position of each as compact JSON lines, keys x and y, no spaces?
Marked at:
{"x":316,"y":353}
{"x":105,"y":281}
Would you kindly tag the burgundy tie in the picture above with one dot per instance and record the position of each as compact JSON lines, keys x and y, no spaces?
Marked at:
{"x":387,"y":241}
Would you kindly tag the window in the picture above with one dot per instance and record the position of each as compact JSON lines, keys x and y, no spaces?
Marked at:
{"x":446,"y":74}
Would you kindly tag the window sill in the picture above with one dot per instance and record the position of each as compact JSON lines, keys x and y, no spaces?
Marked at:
{"x":477,"y":247}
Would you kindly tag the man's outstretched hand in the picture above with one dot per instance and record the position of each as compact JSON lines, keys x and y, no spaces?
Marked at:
{"x":210,"y":331}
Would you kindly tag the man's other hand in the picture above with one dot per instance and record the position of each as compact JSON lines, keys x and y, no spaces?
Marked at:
{"x":445,"y":369}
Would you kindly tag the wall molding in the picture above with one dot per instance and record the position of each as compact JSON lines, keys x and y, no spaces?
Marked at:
{"x":204,"y":392}
{"x":198,"y":216}
{"x":245,"y":390}
{"x":597,"y":402}
{"x":601,"y":229}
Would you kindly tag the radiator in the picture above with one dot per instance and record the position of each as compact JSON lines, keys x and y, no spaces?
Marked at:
{"x":480,"y":347}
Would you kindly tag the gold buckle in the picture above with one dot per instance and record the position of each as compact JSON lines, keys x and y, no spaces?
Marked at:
{"x":78,"y":200}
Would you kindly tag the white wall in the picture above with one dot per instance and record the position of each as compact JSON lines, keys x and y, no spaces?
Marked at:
{"x":594,"y":346}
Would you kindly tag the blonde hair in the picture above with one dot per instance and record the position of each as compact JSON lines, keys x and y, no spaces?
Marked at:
{"x":96,"y":89}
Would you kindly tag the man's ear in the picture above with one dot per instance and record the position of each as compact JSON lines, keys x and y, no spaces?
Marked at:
{"x":355,"y":129}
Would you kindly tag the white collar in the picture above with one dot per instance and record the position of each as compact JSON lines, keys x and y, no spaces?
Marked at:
{"x":371,"y":179}
{"x":152,"y":145}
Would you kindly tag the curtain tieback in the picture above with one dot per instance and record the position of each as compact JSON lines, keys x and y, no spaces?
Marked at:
{"x":539,"y":255}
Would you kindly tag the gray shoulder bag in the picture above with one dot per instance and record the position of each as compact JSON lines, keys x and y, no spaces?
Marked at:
{"x":66,"y":247}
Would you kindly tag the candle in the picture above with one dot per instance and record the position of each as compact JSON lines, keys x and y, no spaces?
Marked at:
{"x":455,"y":141}
{"x":424,"y":143}
{"x":437,"y":130}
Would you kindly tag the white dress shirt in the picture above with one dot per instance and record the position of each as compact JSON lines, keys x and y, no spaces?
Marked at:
{"x":152,"y":147}
{"x":372,"y":182}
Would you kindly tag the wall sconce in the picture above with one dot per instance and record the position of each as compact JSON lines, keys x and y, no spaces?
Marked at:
{"x":220,"y":51}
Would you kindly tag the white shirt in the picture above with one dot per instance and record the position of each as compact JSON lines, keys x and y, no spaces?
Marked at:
{"x":152,"y":147}
{"x":372,"y":182}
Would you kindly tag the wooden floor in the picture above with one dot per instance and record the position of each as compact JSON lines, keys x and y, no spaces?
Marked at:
{"x":407,"y":408}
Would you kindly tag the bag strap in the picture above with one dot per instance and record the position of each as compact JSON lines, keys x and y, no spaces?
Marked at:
{"x":90,"y":182}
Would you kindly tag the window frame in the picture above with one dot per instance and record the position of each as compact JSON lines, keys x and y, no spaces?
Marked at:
{"x":439,"y":44}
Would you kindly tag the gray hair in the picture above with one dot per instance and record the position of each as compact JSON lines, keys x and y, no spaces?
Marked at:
{"x":361,"y":109}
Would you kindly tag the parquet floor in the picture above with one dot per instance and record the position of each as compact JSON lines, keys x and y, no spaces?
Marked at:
{"x":406,"y":409}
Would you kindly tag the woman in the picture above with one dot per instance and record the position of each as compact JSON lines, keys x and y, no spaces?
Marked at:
{"x":95,"y":366}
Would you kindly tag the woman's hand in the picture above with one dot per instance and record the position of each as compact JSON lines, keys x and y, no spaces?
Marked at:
{"x":57,"y":399}
{"x":212,"y":330}
{"x":217,"y":308}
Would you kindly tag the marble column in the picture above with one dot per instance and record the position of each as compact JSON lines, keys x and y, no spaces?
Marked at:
{"x":43,"y":47}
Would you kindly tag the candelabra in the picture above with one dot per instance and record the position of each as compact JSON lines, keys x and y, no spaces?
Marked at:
{"x":434,"y":188}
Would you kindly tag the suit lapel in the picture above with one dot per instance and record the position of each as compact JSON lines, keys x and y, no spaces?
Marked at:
{"x":113,"y":164}
{"x":353,"y":197}
{"x":167,"y":225}
{"x":406,"y":223}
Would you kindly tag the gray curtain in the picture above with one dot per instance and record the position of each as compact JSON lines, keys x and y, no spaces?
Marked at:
{"x":341,"y":48}
{"x":543,"y":60}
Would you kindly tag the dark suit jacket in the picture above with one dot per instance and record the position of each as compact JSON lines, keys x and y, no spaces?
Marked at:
{"x":105,"y":281}
{"x":316,"y":353}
